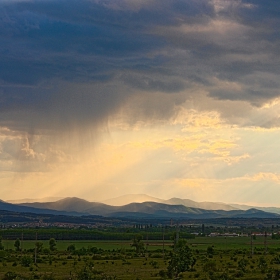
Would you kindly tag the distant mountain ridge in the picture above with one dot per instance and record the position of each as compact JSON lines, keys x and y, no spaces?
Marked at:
{"x":26,"y":209}
{"x":275,"y":210}
{"x":65,"y":204}
{"x":203,"y":205}
{"x":130,"y":198}
{"x":143,"y":209}
{"x":29,"y":200}
{"x":126,"y":199}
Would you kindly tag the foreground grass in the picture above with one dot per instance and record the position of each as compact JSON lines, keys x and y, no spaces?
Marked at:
{"x":62,"y":245}
{"x":227,"y":258}
{"x":220,"y":243}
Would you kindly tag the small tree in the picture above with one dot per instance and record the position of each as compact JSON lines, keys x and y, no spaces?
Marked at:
{"x":181,"y":260}
{"x":71,"y":248}
{"x":39,"y":247}
{"x":138,"y":243}
{"x":17,"y":244}
{"x":52,"y":244}
{"x":182,"y":242}
{"x":86,"y":273}
{"x":26,"y":261}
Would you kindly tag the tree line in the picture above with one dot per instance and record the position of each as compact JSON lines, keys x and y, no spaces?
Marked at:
{"x":88,"y":234}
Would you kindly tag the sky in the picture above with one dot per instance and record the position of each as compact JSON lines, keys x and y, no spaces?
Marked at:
{"x":169,"y":98}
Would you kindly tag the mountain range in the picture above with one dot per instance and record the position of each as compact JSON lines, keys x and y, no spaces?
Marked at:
{"x":172,"y":208}
{"x":126,"y":199}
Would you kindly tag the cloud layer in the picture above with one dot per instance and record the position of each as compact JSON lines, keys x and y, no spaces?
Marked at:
{"x":95,"y":54}
{"x":74,"y":74}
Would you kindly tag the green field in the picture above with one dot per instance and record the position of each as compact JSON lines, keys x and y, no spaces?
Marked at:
{"x":225,"y":243}
{"x":220,"y":243}
{"x":229,"y":258}
{"x":105,"y":245}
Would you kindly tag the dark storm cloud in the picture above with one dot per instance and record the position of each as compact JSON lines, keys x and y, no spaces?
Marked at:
{"x":42,"y":39}
{"x":79,"y":61}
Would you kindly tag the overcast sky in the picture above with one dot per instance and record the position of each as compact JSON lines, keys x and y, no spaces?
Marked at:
{"x":168,"y":98}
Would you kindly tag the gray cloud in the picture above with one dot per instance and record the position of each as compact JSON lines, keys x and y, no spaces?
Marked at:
{"x":64,"y":63}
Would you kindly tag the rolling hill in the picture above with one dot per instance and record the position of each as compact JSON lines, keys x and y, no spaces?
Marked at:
{"x":203,"y":205}
{"x":139,"y":198}
{"x":29,"y":209}
{"x":144,"y":209}
{"x":130,"y":198}
{"x":29,"y":200}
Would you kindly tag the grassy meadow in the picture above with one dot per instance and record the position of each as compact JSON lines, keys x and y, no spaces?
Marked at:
{"x":201,"y":243}
{"x":62,"y":245}
{"x":215,"y":258}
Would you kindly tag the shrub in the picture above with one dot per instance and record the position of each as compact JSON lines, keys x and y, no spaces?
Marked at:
{"x":26,"y":261}
{"x":10,"y":275}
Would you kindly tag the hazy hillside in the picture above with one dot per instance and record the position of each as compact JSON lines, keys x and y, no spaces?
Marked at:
{"x":81,"y":205}
{"x":29,"y":200}
{"x":138,"y":198}
{"x":144,"y":209}
{"x":70,"y":204}
{"x":162,"y":211}
{"x":130,"y":198}
{"x":202,"y":205}
{"x":25,"y":209}
{"x":266,"y":209}
{"x":95,"y":208}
